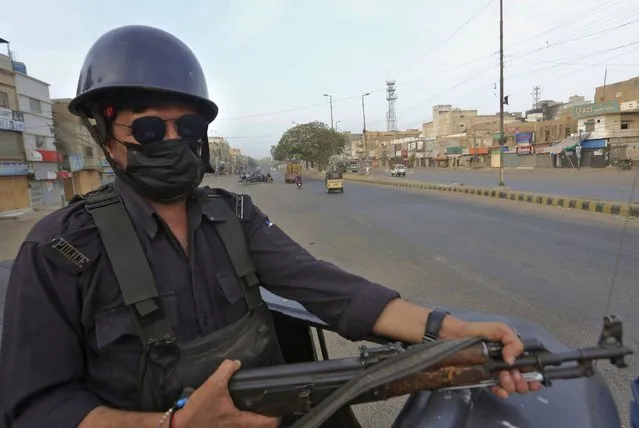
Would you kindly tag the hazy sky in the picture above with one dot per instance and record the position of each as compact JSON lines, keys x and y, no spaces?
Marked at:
{"x":268,"y":62}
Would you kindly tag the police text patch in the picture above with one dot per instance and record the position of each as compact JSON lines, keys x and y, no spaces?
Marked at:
{"x":69,"y":252}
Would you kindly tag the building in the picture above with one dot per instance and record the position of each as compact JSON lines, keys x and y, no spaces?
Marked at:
{"x":354,"y":144}
{"x":236,"y":160}
{"x":34,"y":102}
{"x":614,"y":118}
{"x":452,"y":121}
{"x":465,"y":138}
{"x":14,"y":170}
{"x":378,"y":146}
{"x":547,"y":110}
{"x":219,"y":152}
{"x":82,"y":159}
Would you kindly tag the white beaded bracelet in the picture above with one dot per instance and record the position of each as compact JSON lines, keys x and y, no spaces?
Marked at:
{"x":166,"y":417}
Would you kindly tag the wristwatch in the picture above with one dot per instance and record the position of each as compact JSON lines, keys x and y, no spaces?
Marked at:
{"x":434,"y":324}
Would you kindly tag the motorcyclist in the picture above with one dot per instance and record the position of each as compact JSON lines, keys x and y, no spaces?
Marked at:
{"x":112,"y":297}
{"x":298,"y":179}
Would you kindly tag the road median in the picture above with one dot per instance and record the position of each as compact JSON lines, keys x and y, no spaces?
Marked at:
{"x":571,"y":203}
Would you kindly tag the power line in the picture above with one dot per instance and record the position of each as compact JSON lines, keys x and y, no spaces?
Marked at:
{"x":450,"y":36}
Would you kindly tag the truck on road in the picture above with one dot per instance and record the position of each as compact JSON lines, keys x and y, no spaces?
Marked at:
{"x":292,"y":170}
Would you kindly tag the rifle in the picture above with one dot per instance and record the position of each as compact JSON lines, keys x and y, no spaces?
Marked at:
{"x":394,"y":370}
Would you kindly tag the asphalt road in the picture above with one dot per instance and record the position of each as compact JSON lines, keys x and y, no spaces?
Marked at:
{"x":545,"y":264}
{"x":548,"y":265}
{"x":604,"y":184}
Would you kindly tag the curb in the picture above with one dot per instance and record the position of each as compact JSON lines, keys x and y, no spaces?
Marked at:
{"x":602,"y":207}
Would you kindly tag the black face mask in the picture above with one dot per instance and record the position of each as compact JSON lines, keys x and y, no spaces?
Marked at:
{"x":163,"y":171}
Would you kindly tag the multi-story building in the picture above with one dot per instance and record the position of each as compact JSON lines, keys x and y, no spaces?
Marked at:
{"x":378,"y":147}
{"x":34,"y":101}
{"x":81,"y":162}
{"x":14,"y":170}
{"x":354,"y":144}
{"x":219,"y":152}
{"x":452,"y":121}
{"x":613,"y":119}
{"x":235,"y":160}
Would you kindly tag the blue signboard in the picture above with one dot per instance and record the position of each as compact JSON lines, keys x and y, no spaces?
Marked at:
{"x":593,"y":144}
{"x":13,"y":168}
{"x":76,"y":162}
{"x":524,"y":137}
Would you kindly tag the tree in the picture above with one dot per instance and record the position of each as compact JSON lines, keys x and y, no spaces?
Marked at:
{"x":251,"y":163}
{"x":411,"y":160}
{"x":312,"y":142}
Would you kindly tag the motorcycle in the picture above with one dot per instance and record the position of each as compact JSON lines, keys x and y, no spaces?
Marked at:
{"x":298,"y":183}
{"x":446,"y":381}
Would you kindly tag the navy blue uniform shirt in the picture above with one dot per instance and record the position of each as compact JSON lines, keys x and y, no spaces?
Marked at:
{"x":68,"y":342}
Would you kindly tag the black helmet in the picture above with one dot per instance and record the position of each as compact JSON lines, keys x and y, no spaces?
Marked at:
{"x":139,"y":57}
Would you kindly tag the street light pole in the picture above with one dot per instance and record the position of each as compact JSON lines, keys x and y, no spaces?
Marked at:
{"x":502,"y":143}
{"x":364,"y":120}
{"x":330,"y":97}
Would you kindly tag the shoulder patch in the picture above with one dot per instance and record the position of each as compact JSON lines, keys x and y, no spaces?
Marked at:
{"x":70,"y":252}
{"x":241,"y":204}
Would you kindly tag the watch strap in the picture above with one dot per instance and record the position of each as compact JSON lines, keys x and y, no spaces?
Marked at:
{"x":434,"y":323}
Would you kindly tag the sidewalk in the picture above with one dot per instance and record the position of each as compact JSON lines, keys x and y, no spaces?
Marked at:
{"x":14,"y":230}
{"x":604,"y":184}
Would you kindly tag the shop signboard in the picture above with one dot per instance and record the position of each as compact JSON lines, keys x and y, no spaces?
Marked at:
{"x":40,"y":155}
{"x":11,"y":120}
{"x":13,"y":168}
{"x":525,"y":150}
{"x":76,"y":162}
{"x":595,"y":109}
{"x":524,"y":137}
{"x":593,"y":144}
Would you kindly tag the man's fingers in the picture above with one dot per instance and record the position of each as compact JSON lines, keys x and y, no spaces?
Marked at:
{"x":499,"y":392}
{"x":521,"y":386}
{"x":225,"y":371}
{"x":513,"y":346}
{"x":535,"y":386}
{"x":506,"y":382}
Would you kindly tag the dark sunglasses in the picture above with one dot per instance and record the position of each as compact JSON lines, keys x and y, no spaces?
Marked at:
{"x":148,"y":129}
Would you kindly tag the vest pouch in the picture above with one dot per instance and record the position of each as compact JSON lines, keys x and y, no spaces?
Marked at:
{"x":167,"y":367}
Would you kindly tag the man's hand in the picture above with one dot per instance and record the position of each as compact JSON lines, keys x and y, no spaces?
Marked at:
{"x":510,"y":381}
{"x":211,"y":405}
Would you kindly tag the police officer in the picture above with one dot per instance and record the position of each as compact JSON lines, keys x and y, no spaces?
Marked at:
{"x":119,"y":301}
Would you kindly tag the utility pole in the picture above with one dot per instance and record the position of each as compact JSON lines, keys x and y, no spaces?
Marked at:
{"x":364,"y":120}
{"x":60,"y":148}
{"x":502,"y":143}
{"x":330,"y":97}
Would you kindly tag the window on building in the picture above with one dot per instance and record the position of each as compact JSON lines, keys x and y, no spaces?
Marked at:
{"x":625,"y":124}
{"x":4,"y":99}
{"x":88,"y":152}
{"x":35,"y":106}
{"x":590,"y":126}
{"x":547,"y":136}
{"x":40,"y":141}
{"x":568,"y":132}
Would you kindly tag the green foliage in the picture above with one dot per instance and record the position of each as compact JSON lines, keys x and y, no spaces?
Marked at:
{"x":312,"y":142}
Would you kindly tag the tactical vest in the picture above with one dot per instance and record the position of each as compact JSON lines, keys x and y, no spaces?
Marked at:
{"x":168,"y":367}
